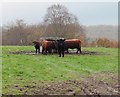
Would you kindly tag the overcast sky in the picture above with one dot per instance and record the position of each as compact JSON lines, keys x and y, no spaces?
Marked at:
{"x":88,"y":13}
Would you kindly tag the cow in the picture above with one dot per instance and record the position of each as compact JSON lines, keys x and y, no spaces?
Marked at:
{"x":54,"y":45}
{"x":72,"y":44}
{"x":61,"y":47}
{"x":37,"y":46}
{"x":47,"y":46}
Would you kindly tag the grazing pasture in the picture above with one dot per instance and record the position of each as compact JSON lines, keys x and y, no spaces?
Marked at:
{"x":92,"y":72}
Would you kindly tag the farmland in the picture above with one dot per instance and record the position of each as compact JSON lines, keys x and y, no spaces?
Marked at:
{"x":24,"y":72}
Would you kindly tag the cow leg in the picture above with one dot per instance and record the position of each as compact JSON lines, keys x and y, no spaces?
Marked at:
{"x":77,"y":50}
{"x":46,"y":51}
{"x":39,"y":50}
{"x":67,"y":50}
{"x":80,"y":50}
{"x":36,"y":50}
{"x":62,"y":53}
{"x":42,"y":50}
{"x":59,"y":53}
{"x":50,"y":51}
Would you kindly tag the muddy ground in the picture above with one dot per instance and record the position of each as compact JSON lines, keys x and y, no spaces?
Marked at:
{"x":70,"y":52}
{"x":97,"y":84}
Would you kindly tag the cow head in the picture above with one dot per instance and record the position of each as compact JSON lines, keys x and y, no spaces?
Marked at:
{"x":34,"y":42}
{"x":61,"y":42}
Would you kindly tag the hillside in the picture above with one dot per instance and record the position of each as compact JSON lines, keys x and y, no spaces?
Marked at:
{"x":98,"y":31}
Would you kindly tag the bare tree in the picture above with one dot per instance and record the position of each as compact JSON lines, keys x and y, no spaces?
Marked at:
{"x":20,"y":33}
{"x":34,"y":32}
{"x":15,"y":34}
{"x":59,"y":22}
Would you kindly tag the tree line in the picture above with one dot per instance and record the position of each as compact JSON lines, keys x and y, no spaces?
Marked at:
{"x":58,"y":22}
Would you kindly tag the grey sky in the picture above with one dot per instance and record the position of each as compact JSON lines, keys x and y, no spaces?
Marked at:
{"x":88,"y":13}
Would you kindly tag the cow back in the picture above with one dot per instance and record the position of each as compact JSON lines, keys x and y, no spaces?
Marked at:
{"x":72,"y":43}
{"x":48,"y":44}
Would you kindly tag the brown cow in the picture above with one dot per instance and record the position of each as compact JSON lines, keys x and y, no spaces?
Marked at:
{"x":47,"y":46}
{"x":73,"y":43}
{"x":37,"y":46}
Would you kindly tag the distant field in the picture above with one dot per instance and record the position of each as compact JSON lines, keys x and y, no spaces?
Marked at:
{"x":26,"y":73}
{"x":102,"y":31}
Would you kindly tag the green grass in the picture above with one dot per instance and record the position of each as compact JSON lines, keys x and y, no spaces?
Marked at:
{"x":21,"y":69}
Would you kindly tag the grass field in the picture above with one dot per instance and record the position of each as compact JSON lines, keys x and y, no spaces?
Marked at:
{"x":19,"y":70}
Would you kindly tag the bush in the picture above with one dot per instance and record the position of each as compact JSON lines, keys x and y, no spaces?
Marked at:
{"x":104,"y":42}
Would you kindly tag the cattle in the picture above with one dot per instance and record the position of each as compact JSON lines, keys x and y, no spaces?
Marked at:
{"x":47,"y":46}
{"x":61,"y":47}
{"x":72,"y":44}
{"x":54,"y":45}
{"x":37,"y":46}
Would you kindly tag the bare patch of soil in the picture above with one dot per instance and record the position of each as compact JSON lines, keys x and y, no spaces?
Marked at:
{"x":71,"y":53}
{"x":97,"y":84}
{"x":24,"y":52}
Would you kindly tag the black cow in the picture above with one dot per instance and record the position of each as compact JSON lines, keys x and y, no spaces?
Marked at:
{"x":61,"y":47}
{"x":37,"y":46}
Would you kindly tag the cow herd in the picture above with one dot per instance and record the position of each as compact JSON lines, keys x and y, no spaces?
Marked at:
{"x":59,"y":46}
